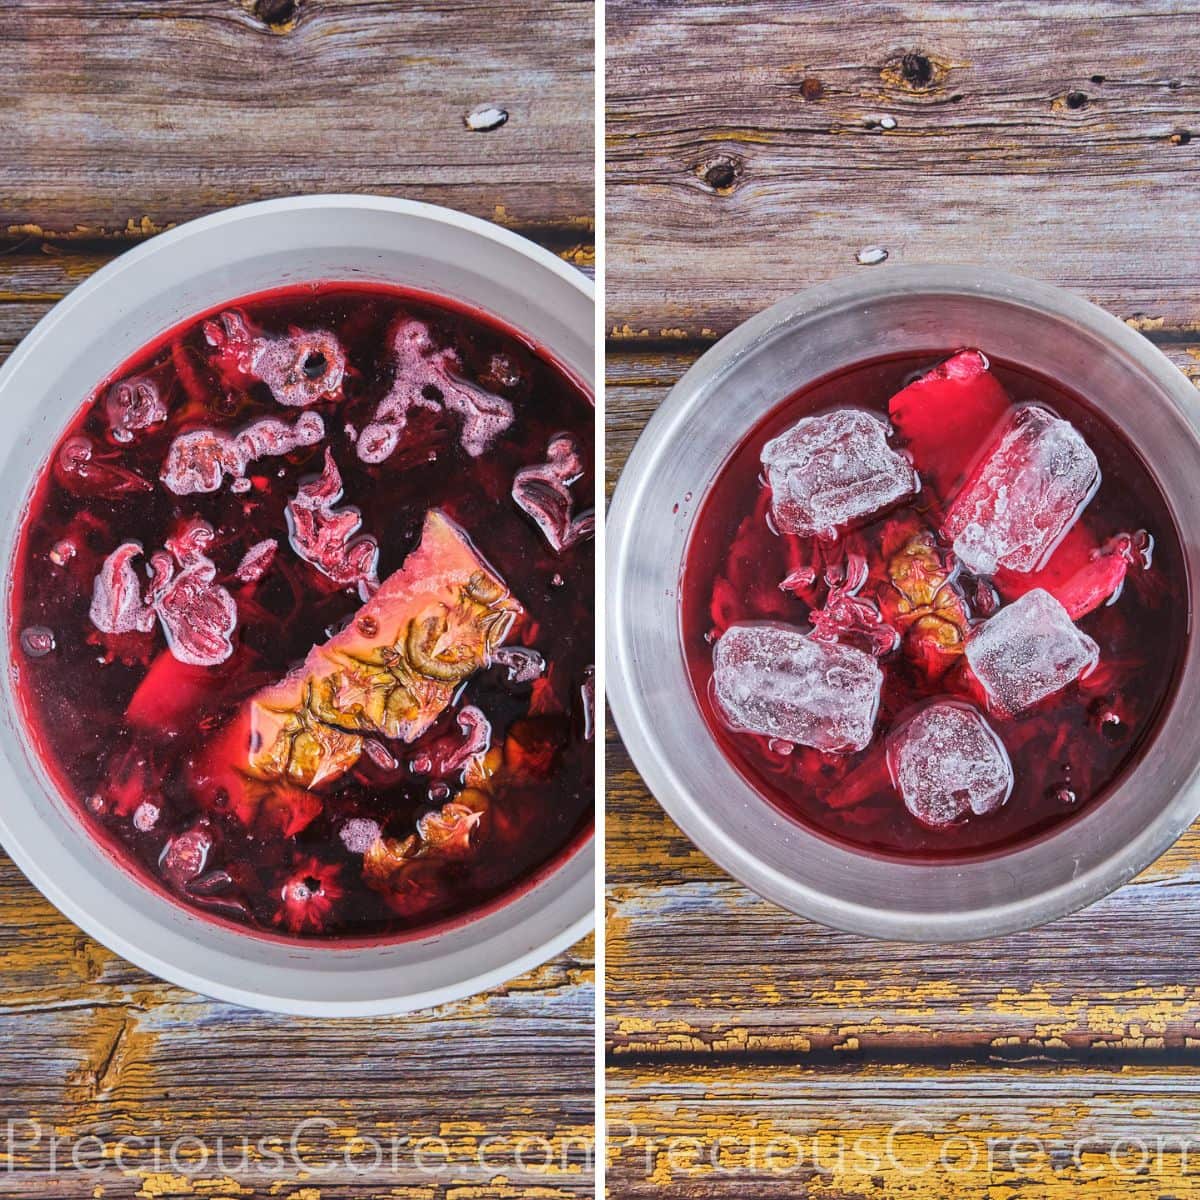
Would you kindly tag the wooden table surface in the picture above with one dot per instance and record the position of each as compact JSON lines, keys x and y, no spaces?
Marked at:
{"x":117,"y":119}
{"x":749,"y":158}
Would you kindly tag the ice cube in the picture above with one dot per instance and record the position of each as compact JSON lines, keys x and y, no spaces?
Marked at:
{"x":947,"y":763}
{"x":328,"y":538}
{"x":543,"y":490}
{"x":832,"y":470}
{"x":1027,"y":651}
{"x":1022,"y":499}
{"x":777,"y":681}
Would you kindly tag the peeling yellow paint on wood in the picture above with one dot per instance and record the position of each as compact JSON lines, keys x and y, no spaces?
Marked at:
{"x":582,"y":255}
{"x":135,"y":228}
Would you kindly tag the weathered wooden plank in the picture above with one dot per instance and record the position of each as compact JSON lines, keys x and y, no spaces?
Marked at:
{"x":904,"y":1131}
{"x":92,"y":1047}
{"x":138,"y":115}
{"x":748,"y":156}
{"x":39,"y":270}
{"x":706,"y":968}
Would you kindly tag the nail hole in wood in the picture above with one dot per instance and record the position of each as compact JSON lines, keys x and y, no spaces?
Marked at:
{"x":1077,"y":100}
{"x":721,"y":174}
{"x":916,"y":69}
{"x":1180,"y":137}
{"x":1098,"y":78}
{"x":275,"y":12}
{"x":811,"y":88}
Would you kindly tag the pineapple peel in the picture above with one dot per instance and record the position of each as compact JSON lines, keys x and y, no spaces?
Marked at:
{"x":392,"y":671}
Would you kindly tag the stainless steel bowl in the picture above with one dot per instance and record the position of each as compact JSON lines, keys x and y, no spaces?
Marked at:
{"x":709,"y":411}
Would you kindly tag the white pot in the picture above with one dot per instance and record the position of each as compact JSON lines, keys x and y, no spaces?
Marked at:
{"x":103,"y":322}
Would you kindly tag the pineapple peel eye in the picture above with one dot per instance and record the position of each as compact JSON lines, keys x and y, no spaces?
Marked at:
{"x":927,"y":603}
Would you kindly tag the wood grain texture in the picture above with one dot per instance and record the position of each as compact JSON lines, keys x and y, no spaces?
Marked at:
{"x":120,"y":115}
{"x":92,"y":1048}
{"x":727,"y":188}
{"x":116,"y":120}
{"x":747,"y":161}
{"x":905,"y":1132}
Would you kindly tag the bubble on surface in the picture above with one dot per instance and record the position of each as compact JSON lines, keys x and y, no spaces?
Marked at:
{"x":359,"y":834}
{"x":185,"y":855}
{"x":145,"y":816}
{"x":427,"y":376}
{"x":523,"y":665}
{"x":132,"y":405}
{"x":37,"y":640}
{"x":199,"y":460}
{"x":300,"y":367}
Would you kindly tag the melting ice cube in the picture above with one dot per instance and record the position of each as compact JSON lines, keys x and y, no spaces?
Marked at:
{"x":1027,"y":651}
{"x":778,"y":682}
{"x":832,"y":470}
{"x":946,"y":762}
{"x":1022,"y":499}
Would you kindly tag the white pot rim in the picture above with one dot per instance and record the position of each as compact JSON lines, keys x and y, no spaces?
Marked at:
{"x":550,"y":302}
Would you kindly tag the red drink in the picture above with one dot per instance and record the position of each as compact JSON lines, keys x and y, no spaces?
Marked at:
{"x":289,"y":638}
{"x":1087,"y":563}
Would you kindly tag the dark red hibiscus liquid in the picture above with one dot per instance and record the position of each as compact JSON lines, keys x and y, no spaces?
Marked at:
{"x":1067,"y":752}
{"x":75,"y":694}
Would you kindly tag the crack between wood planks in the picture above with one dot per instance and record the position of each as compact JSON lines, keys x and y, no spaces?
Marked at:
{"x":109,"y":1069}
{"x":928,"y":1057}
